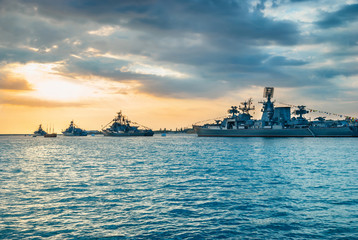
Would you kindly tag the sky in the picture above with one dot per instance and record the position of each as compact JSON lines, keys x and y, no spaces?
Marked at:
{"x":171,"y":63}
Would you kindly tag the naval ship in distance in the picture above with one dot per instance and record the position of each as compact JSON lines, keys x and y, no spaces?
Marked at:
{"x":74,"y":130}
{"x":121,"y":126}
{"x":40,"y":132}
{"x":275,"y":122}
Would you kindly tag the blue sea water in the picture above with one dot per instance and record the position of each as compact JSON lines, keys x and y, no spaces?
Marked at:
{"x":178,"y":187}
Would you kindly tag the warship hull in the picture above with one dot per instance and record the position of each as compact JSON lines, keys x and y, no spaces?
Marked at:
{"x":129,"y":134}
{"x":71,"y":134}
{"x":38,"y":135}
{"x":286,"y":132}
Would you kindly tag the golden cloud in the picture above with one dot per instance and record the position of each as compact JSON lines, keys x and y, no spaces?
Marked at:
{"x":35,"y":102}
{"x":10,"y":81}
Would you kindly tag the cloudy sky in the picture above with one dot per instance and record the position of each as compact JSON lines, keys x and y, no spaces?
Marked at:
{"x":171,"y":63}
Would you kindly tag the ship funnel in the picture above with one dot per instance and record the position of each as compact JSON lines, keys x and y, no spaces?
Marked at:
{"x":268,"y":92}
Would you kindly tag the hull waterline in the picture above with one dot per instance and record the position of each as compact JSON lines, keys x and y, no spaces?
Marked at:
{"x":303,"y":132}
{"x":120,"y":134}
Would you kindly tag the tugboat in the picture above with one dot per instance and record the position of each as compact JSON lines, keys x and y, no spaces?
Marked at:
{"x":39,"y":132}
{"x":275,"y":122}
{"x":120,"y":127}
{"x":73,"y":130}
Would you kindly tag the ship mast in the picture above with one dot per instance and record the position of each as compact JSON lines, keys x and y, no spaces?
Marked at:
{"x":268,"y":107}
{"x":247,"y":106}
{"x":301,"y":110}
{"x":233,"y":110}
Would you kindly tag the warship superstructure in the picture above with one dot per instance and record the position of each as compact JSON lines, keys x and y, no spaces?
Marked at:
{"x":40,"y":131}
{"x":120,"y":127}
{"x":74,"y":130}
{"x":275,"y":122}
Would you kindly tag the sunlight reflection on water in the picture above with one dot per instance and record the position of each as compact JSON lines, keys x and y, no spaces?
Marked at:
{"x":180,"y":186}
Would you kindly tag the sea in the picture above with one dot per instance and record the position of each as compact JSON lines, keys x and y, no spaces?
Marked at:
{"x":178,"y":187}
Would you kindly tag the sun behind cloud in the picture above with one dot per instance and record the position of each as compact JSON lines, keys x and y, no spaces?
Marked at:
{"x":48,"y":84}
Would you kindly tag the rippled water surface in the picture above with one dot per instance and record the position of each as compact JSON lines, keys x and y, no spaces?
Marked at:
{"x":178,"y":187}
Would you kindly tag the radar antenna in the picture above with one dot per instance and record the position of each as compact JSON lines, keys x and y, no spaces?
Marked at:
{"x":268,"y":107}
{"x":247,"y":106}
{"x":233,"y":110}
{"x":301,"y":110}
{"x":268,"y":92}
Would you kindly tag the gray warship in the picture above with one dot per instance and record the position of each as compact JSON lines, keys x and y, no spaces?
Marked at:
{"x":39,"y":132}
{"x":275,"y":122}
{"x":74,"y":130}
{"x":120,"y":127}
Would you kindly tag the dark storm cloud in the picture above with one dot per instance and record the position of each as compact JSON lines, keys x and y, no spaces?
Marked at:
{"x":228,"y":33}
{"x":347,"y":69}
{"x":21,"y":55}
{"x":219,"y":45}
{"x":231,"y":18}
{"x":343,"y":16}
{"x":105,"y":12}
{"x":97,"y":66}
{"x":345,"y":40}
{"x":283,"y":61}
{"x":154,"y":84}
{"x":216,"y":20}
{"x":108,"y":68}
{"x":29,"y":29}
